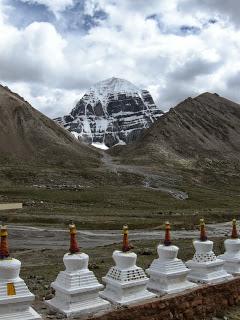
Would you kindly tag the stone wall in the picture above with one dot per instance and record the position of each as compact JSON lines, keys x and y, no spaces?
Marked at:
{"x":195,"y":304}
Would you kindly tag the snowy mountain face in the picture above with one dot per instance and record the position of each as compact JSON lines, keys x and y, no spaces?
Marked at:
{"x":111,"y":112}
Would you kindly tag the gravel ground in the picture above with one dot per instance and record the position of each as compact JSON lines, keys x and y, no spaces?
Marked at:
{"x":25,"y":237}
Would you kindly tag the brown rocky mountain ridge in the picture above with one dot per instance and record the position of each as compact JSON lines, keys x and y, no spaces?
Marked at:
{"x":199,"y":132}
{"x":28,"y":134}
{"x":201,"y":129}
{"x":30,"y":139}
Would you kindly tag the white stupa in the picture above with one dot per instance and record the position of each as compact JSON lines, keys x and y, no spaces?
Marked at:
{"x":15,"y":297}
{"x":77,"y":288}
{"x":231,"y":256}
{"x":205,"y":266}
{"x":168,"y":274}
{"x":125,"y":283}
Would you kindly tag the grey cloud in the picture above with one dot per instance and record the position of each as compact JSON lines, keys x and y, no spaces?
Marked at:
{"x":15,"y":68}
{"x":234,"y":81}
{"x":226,"y":8}
{"x":75,"y":81}
{"x":181,"y":82}
{"x":21,"y":14}
{"x":193,"y":68}
{"x":174,"y":93}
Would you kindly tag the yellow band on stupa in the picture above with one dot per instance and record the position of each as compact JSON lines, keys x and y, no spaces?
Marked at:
{"x":11,"y":291}
{"x":167,"y":225}
{"x":73,"y":229}
{"x":3,"y":232}
{"x":125,"y":229}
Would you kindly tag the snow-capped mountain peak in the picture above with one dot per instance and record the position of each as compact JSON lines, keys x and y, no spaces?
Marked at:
{"x":113,"y":111}
{"x":110,"y":88}
{"x":114,"y":85}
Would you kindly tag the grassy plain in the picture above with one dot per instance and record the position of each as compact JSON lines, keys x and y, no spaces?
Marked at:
{"x":110,"y":207}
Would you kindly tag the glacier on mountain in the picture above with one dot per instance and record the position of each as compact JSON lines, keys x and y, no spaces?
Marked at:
{"x":111,"y":112}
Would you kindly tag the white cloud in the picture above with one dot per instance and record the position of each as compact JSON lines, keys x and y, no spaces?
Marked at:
{"x":174,"y":48}
{"x":50,"y":101}
{"x":34,"y":53}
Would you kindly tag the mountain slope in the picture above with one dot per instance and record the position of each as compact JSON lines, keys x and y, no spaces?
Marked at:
{"x":162,"y":176}
{"x":205,"y":128}
{"x":111,"y":112}
{"x":30,"y":139}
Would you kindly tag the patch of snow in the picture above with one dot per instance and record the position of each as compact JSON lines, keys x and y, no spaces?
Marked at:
{"x":100,"y":145}
{"x":86,"y":126}
{"x":75,"y":134}
{"x":121,"y":143}
{"x":101,"y":125}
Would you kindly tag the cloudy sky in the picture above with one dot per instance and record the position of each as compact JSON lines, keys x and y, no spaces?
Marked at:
{"x":52,"y":50}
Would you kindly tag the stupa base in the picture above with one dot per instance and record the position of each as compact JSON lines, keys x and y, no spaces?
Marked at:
{"x":167,"y":284}
{"x":207,"y":272}
{"x":126,"y":293}
{"x":27,"y":314}
{"x":168,"y":276}
{"x":87,"y":307}
{"x":231,"y":265}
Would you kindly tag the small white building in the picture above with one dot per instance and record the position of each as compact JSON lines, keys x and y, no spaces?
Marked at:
{"x":231,"y":257}
{"x":77,"y":288}
{"x":168,"y":274}
{"x":15,"y":297}
{"x":126,"y":283}
{"x":205,"y":266}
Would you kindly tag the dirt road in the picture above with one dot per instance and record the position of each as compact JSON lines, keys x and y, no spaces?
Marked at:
{"x":25,"y":237}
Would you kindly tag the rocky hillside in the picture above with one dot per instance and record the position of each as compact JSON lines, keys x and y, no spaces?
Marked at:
{"x":205,"y":128}
{"x":30,"y":139}
{"x":111,"y":112}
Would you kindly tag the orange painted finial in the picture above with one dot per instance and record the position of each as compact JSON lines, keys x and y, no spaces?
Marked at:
{"x":234,"y":229}
{"x":203,"y":234}
{"x":4,"y":250}
{"x":167,"y":240}
{"x":125,"y":247}
{"x":73,"y":239}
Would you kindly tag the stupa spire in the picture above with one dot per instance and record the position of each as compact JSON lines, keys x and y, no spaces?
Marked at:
{"x":234,"y":234}
{"x":203,"y":234}
{"x":167,"y":240}
{"x":74,"y":248}
{"x":4,"y":249}
{"x":125,"y":246}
